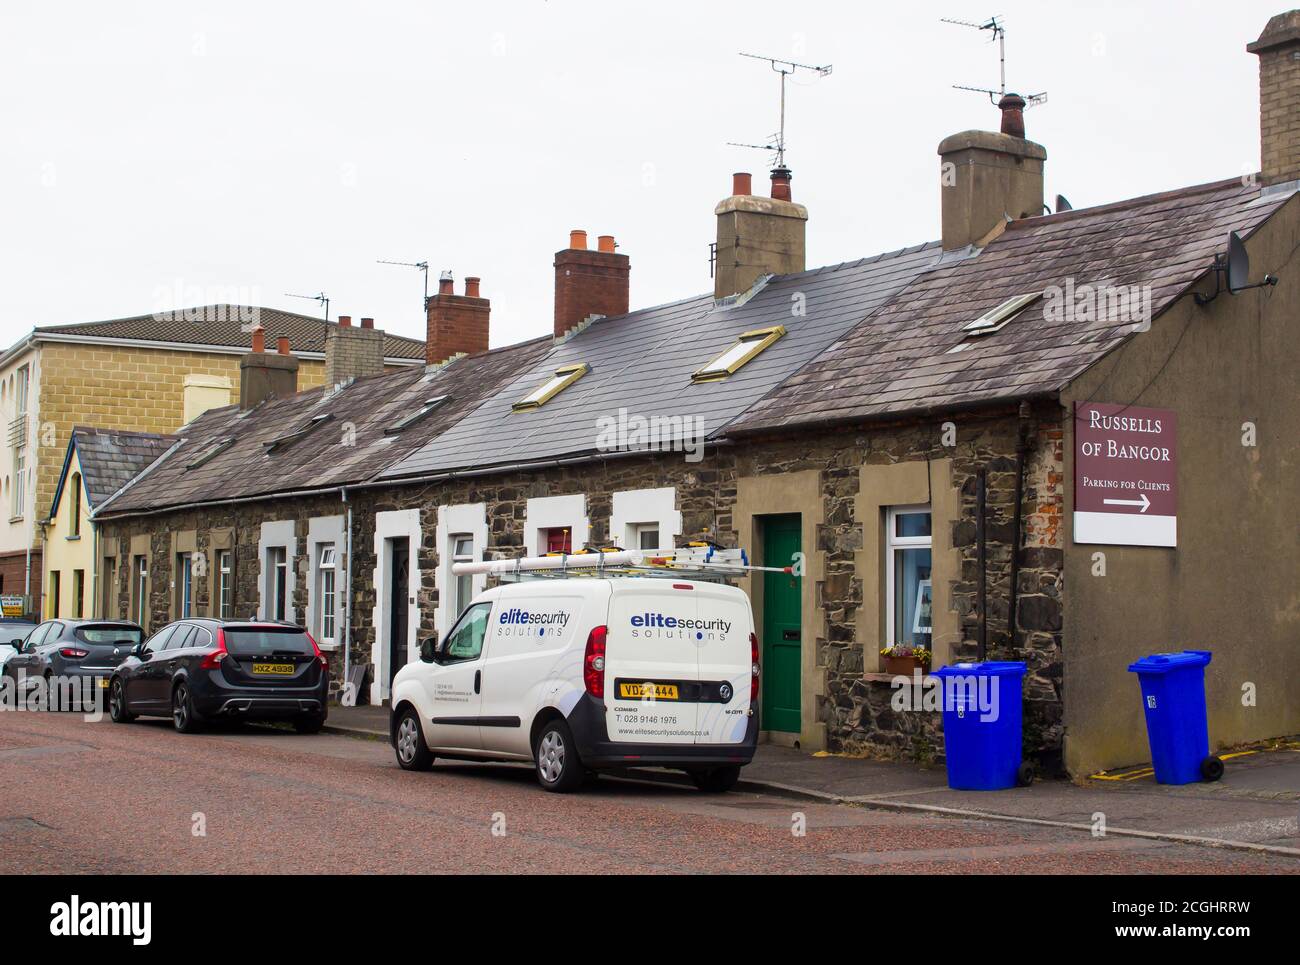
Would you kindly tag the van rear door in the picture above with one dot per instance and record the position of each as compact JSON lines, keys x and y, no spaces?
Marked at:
{"x":725,"y":667}
{"x":651,"y":662}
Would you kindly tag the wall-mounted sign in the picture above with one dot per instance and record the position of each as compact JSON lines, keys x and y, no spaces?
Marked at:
{"x":1125,"y":475}
{"x":13,"y":605}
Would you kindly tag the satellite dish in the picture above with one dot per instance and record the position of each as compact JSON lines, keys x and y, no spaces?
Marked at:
{"x":1062,"y":204}
{"x":1238,"y":264}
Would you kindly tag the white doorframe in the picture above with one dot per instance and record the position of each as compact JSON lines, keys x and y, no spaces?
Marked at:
{"x":394,"y":524}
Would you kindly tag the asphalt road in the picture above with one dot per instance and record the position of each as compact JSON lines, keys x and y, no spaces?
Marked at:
{"x":102,"y":797}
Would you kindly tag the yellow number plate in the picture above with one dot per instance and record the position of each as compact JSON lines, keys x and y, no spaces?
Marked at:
{"x":103,"y":682}
{"x":648,"y":691}
{"x":273,"y":669}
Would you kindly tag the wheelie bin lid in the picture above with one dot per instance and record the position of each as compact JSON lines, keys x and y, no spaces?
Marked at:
{"x":1165,"y":662}
{"x":989,"y":668}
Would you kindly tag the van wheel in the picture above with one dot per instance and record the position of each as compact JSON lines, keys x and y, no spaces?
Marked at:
{"x":117,"y":711}
{"x":558,"y":766}
{"x":412,"y":752}
{"x":717,"y":780}
{"x":185,"y":720}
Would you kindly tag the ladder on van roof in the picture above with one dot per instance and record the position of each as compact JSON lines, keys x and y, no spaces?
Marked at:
{"x":696,"y":561}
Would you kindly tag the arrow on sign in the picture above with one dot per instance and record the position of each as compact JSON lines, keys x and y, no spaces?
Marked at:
{"x":1143,"y":502}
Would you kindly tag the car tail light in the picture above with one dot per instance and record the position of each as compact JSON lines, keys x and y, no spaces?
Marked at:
{"x":324,"y":660}
{"x":593,"y":663}
{"x":212,"y":659}
{"x":73,"y":653}
{"x":753,"y":660}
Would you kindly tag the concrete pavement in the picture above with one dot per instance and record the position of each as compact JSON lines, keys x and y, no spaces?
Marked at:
{"x":1254,"y":807}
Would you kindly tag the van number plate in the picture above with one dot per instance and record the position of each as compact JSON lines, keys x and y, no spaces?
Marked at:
{"x":273,"y":669}
{"x":647,"y":691}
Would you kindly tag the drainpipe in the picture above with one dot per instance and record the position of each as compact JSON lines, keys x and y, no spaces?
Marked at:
{"x":1022,"y":449}
{"x":347,"y":599}
{"x":982,"y":627}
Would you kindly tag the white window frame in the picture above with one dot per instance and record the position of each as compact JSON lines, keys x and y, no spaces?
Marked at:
{"x":556,"y":512}
{"x":184,"y":586}
{"x":280,"y":535}
{"x":459,"y":521}
{"x":19,"y":494}
{"x":277,"y":562}
{"x":892,"y":543}
{"x":631,"y":510}
{"x":462,"y":586}
{"x":327,"y":580}
{"x":141,"y":576}
{"x":225,"y":581}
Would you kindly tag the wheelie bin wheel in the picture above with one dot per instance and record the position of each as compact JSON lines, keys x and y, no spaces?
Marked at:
{"x":1025,"y":774}
{"x":1211,"y":768}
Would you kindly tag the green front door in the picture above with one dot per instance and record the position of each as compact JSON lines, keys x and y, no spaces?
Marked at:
{"x":782,"y":619}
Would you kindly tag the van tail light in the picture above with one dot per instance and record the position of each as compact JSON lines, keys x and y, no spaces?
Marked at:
{"x":753,"y":663}
{"x":593,"y":663}
{"x":212,"y":659}
{"x":73,"y":653}
{"x":324,"y":660}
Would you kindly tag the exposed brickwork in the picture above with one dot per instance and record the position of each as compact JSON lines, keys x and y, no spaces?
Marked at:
{"x":1279,"y":98}
{"x":856,"y":708}
{"x":589,"y":283}
{"x":456,"y":324}
{"x":353,"y":353}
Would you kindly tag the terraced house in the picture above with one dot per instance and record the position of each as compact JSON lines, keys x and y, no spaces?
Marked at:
{"x":148,"y":373}
{"x":1040,"y":436}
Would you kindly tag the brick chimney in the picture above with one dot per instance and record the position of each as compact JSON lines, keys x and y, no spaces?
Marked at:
{"x":589,"y":282}
{"x":1278,"y":48}
{"x":351,"y":352}
{"x":266,"y":375}
{"x":757,"y":236}
{"x":457,"y":323}
{"x":989,"y":177}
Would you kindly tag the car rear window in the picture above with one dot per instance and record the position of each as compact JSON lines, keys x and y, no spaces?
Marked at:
{"x":265,"y":641}
{"x":109,"y":634}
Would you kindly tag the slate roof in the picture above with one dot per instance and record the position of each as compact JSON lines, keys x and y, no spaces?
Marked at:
{"x":224,"y":325}
{"x":350,"y":447}
{"x":109,"y":459}
{"x":900,"y":359}
{"x":642,"y":362}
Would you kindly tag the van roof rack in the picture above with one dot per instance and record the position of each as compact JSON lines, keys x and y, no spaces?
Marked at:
{"x":696,"y":561}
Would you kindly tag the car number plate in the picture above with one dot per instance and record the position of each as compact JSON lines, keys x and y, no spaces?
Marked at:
{"x":103,"y":682}
{"x":647,"y":691}
{"x":273,"y":669}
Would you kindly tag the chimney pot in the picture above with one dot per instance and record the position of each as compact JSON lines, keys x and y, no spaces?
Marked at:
{"x":578,"y":239}
{"x":781,"y":184}
{"x":282,"y":344}
{"x":345,"y":321}
{"x":742,"y":183}
{"x":445,"y":284}
{"x":471,"y":286}
{"x":259,"y":339}
{"x":367,"y":323}
{"x":606,"y":244}
{"x":1013,"y":115}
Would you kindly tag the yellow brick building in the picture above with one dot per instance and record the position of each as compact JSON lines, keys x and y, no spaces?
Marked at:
{"x":149,"y":373}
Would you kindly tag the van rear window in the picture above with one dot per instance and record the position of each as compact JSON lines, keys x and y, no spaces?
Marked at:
{"x":109,"y":634}
{"x":265,"y":641}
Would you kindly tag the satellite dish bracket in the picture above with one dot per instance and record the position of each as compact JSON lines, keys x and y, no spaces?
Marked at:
{"x":1231,"y":271}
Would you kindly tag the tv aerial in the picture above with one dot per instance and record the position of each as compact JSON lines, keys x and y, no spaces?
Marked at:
{"x":1236,"y":266}
{"x":776,"y":143}
{"x":422,"y":265}
{"x":320,"y":297}
{"x":998,"y":29}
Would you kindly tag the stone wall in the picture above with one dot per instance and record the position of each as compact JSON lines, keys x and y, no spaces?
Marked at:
{"x":856,"y":705}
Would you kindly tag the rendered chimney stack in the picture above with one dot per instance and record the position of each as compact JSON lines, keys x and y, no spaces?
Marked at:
{"x":1278,"y":49}
{"x":987,"y":178}
{"x":757,"y":236}
{"x":457,"y":324}
{"x":266,"y":375}
{"x":589,"y":282}
{"x":352,"y":352}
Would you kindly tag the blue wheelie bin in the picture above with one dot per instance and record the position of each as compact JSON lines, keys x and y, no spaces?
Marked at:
{"x":1173,"y":698}
{"x":982,"y":724}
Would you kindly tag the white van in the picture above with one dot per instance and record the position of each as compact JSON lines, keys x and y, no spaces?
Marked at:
{"x":582,"y":674}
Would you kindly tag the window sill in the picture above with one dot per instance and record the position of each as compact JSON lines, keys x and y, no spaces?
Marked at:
{"x":73,"y":538}
{"x":887,"y":678}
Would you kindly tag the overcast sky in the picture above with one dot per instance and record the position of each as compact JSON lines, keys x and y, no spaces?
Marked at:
{"x":159,"y":155}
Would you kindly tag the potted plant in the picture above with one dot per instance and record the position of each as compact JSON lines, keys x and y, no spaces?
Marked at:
{"x":902,"y":659}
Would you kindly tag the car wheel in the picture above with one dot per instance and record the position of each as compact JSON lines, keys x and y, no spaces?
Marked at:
{"x":309,"y":725}
{"x":559,"y":768}
{"x":716,"y":780}
{"x":413,"y":753}
{"x":117,"y":711}
{"x":184,"y":718}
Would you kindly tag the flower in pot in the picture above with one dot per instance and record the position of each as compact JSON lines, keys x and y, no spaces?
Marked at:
{"x":902,"y":659}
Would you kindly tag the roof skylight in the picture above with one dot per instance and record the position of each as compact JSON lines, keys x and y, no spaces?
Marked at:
{"x":995,"y":318}
{"x":292,"y":437}
{"x":564,"y":377}
{"x":210,"y":453}
{"x":736,"y":356}
{"x":410,"y":420}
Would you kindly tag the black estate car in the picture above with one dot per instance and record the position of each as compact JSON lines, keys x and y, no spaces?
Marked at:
{"x":74,"y":648}
{"x":200,"y":670}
